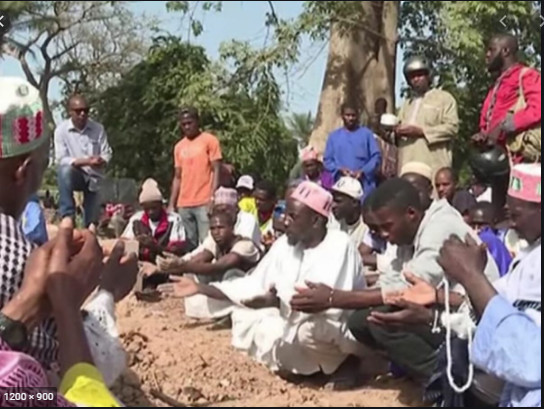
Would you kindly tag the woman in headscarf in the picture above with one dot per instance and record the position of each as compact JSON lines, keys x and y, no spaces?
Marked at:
{"x":313,"y":169}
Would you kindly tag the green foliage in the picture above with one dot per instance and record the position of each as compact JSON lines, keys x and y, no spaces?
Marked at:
{"x":50,"y":178}
{"x":140,"y":113}
{"x":87,"y":45}
{"x":14,"y":10}
{"x":283,"y":49}
{"x":301,"y":127}
{"x":451,"y":34}
{"x":189,"y":9}
{"x":457,"y":45}
{"x":241,"y":107}
{"x":184,"y":6}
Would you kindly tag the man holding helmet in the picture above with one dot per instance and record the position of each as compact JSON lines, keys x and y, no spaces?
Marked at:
{"x":492,"y":166}
{"x":428,"y":120}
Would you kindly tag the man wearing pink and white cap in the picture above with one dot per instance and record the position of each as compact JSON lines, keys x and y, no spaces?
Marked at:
{"x":313,"y":170}
{"x":24,"y":154}
{"x":522,"y":285}
{"x":270,"y":330}
{"x":246,"y":223}
{"x":507,"y":343}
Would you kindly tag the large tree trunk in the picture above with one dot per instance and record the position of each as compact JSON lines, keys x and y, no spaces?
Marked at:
{"x":360,"y":67}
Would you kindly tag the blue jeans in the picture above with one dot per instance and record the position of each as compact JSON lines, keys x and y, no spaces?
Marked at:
{"x":196,"y":224}
{"x":72,"y":180}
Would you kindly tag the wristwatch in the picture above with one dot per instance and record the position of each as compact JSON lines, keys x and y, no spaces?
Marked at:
{"x":13,"y":333}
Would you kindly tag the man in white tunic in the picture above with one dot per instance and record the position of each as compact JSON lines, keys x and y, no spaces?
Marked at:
{"x":264,"y":324}
{"x":495,"y":350}
{"x":429,"y":120}
{"x":522,"y":287}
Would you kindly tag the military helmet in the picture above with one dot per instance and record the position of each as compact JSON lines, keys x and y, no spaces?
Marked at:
{"x":417,"y":63}
{"x":489,"y":163}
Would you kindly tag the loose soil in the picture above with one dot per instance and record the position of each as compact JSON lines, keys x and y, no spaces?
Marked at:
{"x":192,"y":366}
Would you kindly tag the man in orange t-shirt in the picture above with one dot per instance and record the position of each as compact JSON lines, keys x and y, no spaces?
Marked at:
{"x":197,"y":159}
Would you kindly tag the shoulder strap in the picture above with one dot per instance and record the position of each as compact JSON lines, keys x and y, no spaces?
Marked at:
{"x":524,"y":71}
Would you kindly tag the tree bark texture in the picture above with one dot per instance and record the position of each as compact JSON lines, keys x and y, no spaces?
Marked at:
{"x":360,"y":67}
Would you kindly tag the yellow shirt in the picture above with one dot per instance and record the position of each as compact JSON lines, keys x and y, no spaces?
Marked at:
{"x":248,"y":205}
{"x":83,"y":385}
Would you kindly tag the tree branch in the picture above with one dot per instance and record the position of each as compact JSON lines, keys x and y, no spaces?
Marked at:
{"x":20,"y":56}
{"x":28,"y":72}
{"x":363,"y":27}
{"x":65,"y":51}
{"x":47,"y":41}
{"x":32,"y":42}
{"x":81,"y":19}
{"x":62,"y":71}
{"x":191,"y":19}
{"x":273,"y":12}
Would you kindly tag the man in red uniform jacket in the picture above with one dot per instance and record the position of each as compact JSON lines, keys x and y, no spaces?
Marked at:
{"x":497,"y":122}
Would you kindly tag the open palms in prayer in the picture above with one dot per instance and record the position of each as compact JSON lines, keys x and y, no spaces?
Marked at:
{"x":420,"y":291}
{"x":181,"y":287}
{"x":170,"y":263}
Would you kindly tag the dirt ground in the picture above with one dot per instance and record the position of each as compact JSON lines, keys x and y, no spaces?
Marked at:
{"x":196,"y":367}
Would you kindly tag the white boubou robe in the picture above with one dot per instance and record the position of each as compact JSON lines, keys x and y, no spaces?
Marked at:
{"x":522,"y":288}
{"x":522,"y":285}
{"x":283,"y":339}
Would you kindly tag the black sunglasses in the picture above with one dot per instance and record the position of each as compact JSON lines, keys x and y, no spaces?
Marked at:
{"x":82,"y":110}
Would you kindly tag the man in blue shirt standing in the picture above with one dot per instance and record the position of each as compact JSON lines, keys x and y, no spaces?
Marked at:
{"x":353,"y":151}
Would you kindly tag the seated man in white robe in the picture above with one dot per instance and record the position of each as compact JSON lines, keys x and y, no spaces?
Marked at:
{"x":224,"y":255}
{"x":264,"y":324}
